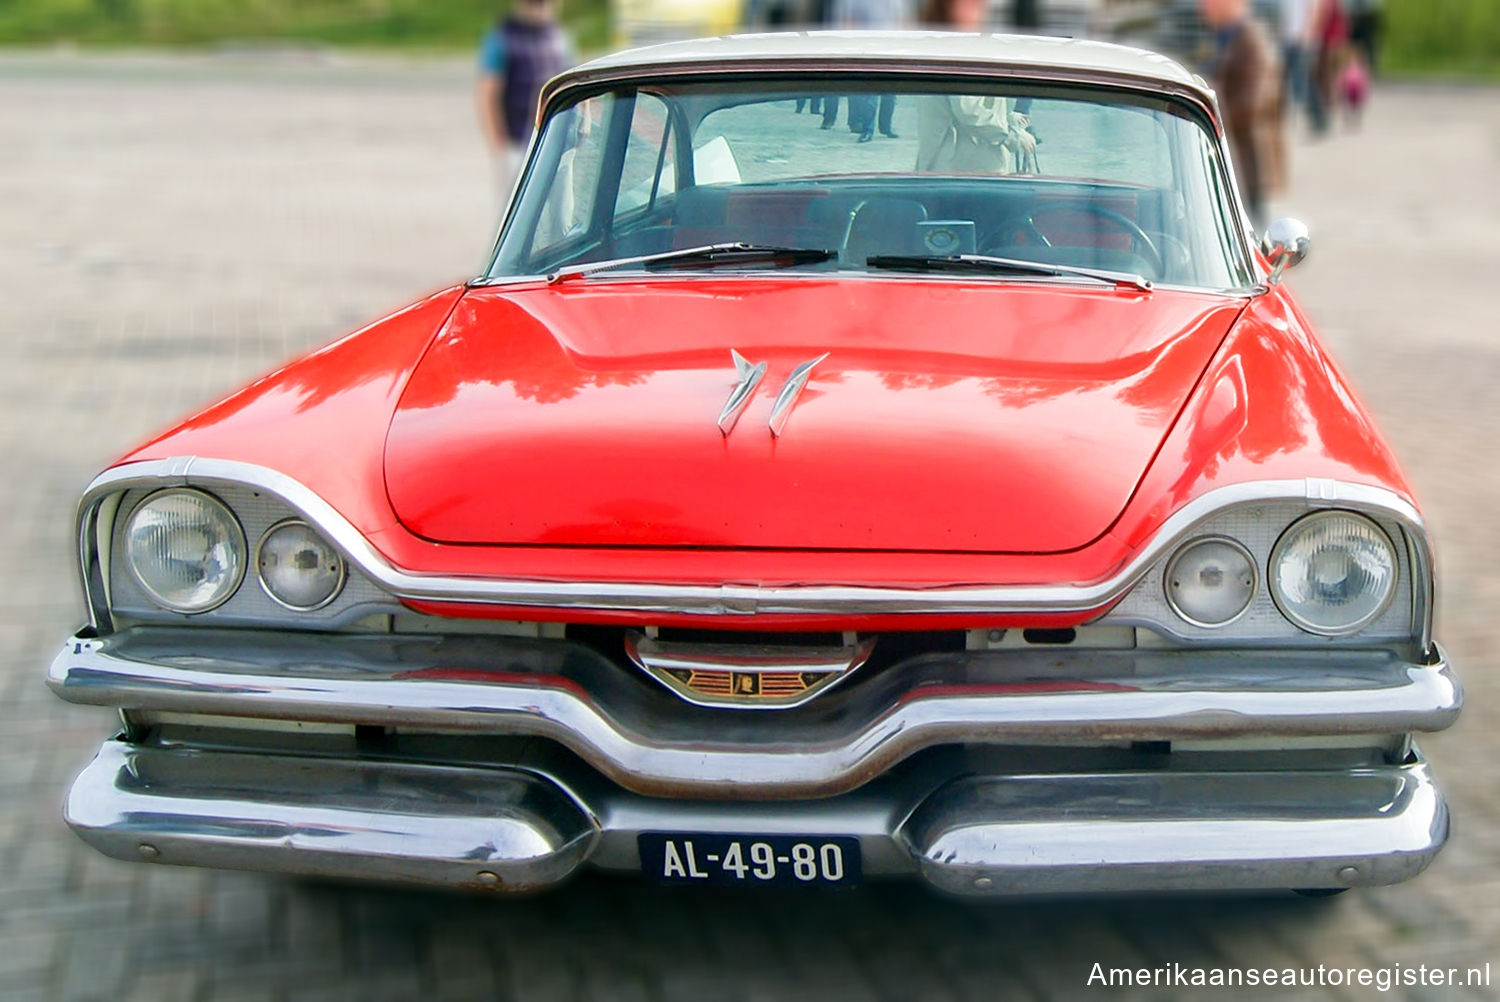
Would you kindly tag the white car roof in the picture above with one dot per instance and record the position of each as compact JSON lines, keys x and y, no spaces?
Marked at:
{"x":832,"y":51}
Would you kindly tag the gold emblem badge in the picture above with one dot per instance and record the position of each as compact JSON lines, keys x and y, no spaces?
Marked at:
{"x":750,"y":675}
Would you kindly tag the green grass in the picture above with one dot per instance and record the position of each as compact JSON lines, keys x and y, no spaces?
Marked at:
{"x":1429,"y":37}
{"x":1459,"y":38}
{"x":406,"y":23}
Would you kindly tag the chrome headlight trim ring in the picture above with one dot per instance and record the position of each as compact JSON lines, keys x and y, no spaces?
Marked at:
{"x":1284,"y":540}
{"x":233,"y":520}
{"x":1182,"y":551}
{"x":338,"y":588}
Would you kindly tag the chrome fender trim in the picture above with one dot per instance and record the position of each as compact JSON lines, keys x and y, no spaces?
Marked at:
{"x":737,"y":599}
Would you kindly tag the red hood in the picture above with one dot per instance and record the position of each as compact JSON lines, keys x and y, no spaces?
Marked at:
{"x":947,"y":416}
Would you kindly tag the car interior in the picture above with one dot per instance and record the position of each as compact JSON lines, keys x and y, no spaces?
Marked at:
{"x":1087,"y":225}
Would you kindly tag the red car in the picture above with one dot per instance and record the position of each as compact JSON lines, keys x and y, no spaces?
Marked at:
{"x":864,"y":455}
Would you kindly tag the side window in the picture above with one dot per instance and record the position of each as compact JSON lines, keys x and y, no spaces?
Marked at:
{"x":650,"y":168}
{"x":569,"y":203}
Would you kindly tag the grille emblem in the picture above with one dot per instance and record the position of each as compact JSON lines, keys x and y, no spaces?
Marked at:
{"x":745,"y":675}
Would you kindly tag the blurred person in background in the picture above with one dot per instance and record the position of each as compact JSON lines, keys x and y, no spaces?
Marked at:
{"x":980,"y":135}
{"x":819,"y":14}
{"x":1026,"y":15}
{"x":1331,"y":33}
{"x":866,"y":111}
{"x":526,"y":48}
{"x":1365,"y":22}
{"x":1354,"y":86}
{"x":779,"y":15}
{"x":956,"y":15}
{"x":1298,"y":21}
{"x":1245,"y":72}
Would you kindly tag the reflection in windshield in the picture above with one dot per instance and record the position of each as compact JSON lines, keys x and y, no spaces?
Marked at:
{"x":1073,"y":179}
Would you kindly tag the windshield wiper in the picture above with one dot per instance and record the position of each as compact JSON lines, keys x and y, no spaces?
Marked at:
{"x":707,"y":256}
{"x":985,"y":264}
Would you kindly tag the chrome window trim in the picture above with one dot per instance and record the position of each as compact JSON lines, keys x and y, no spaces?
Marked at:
{"x":733,"y":599}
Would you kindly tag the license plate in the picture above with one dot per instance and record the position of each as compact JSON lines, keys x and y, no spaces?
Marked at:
{"x":751,"y":860}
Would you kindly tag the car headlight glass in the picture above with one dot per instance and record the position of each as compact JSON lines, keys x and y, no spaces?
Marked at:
{"x":1211,"y":582}
{"x":186,"y":550}
{"x":298,"y":567}
{"x":1333,"y":573}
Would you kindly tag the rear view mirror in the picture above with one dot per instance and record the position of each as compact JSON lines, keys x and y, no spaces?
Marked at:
{"x":1285,"y":244}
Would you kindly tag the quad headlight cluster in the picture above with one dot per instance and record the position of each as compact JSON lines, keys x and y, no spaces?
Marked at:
{"x":1332,"y":573}
{"x":189,"y":554}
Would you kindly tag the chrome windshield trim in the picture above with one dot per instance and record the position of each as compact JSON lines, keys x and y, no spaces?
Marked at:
{"x":592,"y":77}
{"x":749,"y":377}
{"x":790,"y":392}
{"x":1247,"y":292}
{"x":1192,"y":92}
{"x":735,"y":599}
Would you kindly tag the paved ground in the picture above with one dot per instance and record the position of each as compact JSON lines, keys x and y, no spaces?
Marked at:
{"x":171,"y":228}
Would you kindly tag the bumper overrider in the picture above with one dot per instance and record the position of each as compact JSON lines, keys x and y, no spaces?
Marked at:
{"x":979,"y":771}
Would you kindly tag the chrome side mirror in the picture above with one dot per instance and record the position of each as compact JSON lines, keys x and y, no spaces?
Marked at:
{"x":1285,"y":244}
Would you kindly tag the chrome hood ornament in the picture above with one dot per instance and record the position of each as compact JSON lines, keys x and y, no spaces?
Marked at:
{"x":787,"y":398}
{"x":748,"y":378}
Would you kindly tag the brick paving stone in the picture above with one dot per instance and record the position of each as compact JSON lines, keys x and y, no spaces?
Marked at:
{"x":94,"y":971}
{"x":176,"y":225}
{"x":26,"y":955}
{"x":162,"y":986}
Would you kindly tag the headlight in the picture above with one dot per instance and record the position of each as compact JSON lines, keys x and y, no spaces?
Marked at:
{"x":297,"y":567}
{"x":186,"y":550}
{"x":1210,"y":582}
{"x":1333,"y":573}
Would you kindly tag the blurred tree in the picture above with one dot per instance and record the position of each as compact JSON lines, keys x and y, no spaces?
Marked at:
{"x":453,"y":24}
{"x":116,"y":10}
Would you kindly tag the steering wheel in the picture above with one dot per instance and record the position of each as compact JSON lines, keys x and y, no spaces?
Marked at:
{"x":1139,"y":240}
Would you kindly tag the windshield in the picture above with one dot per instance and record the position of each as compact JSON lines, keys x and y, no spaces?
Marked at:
{"x":1083,"y":178}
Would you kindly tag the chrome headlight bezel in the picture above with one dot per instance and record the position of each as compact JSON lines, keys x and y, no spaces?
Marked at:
{"x":235,"y":537}
{"x":343,"y":566}
{"x":1183,"y":550}
{"x":1289,"y":536}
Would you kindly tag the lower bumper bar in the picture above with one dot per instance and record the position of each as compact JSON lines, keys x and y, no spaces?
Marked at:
{"x":499,"y":829}
{"x":515,"y":829}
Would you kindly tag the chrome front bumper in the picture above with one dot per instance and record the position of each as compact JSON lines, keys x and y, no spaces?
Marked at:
{"x":925,"y":762}
{"x":518,"y":829}
{"x":651,"y":742}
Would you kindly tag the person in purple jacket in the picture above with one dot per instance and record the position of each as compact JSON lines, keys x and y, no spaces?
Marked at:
{"x":525,"y":49}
